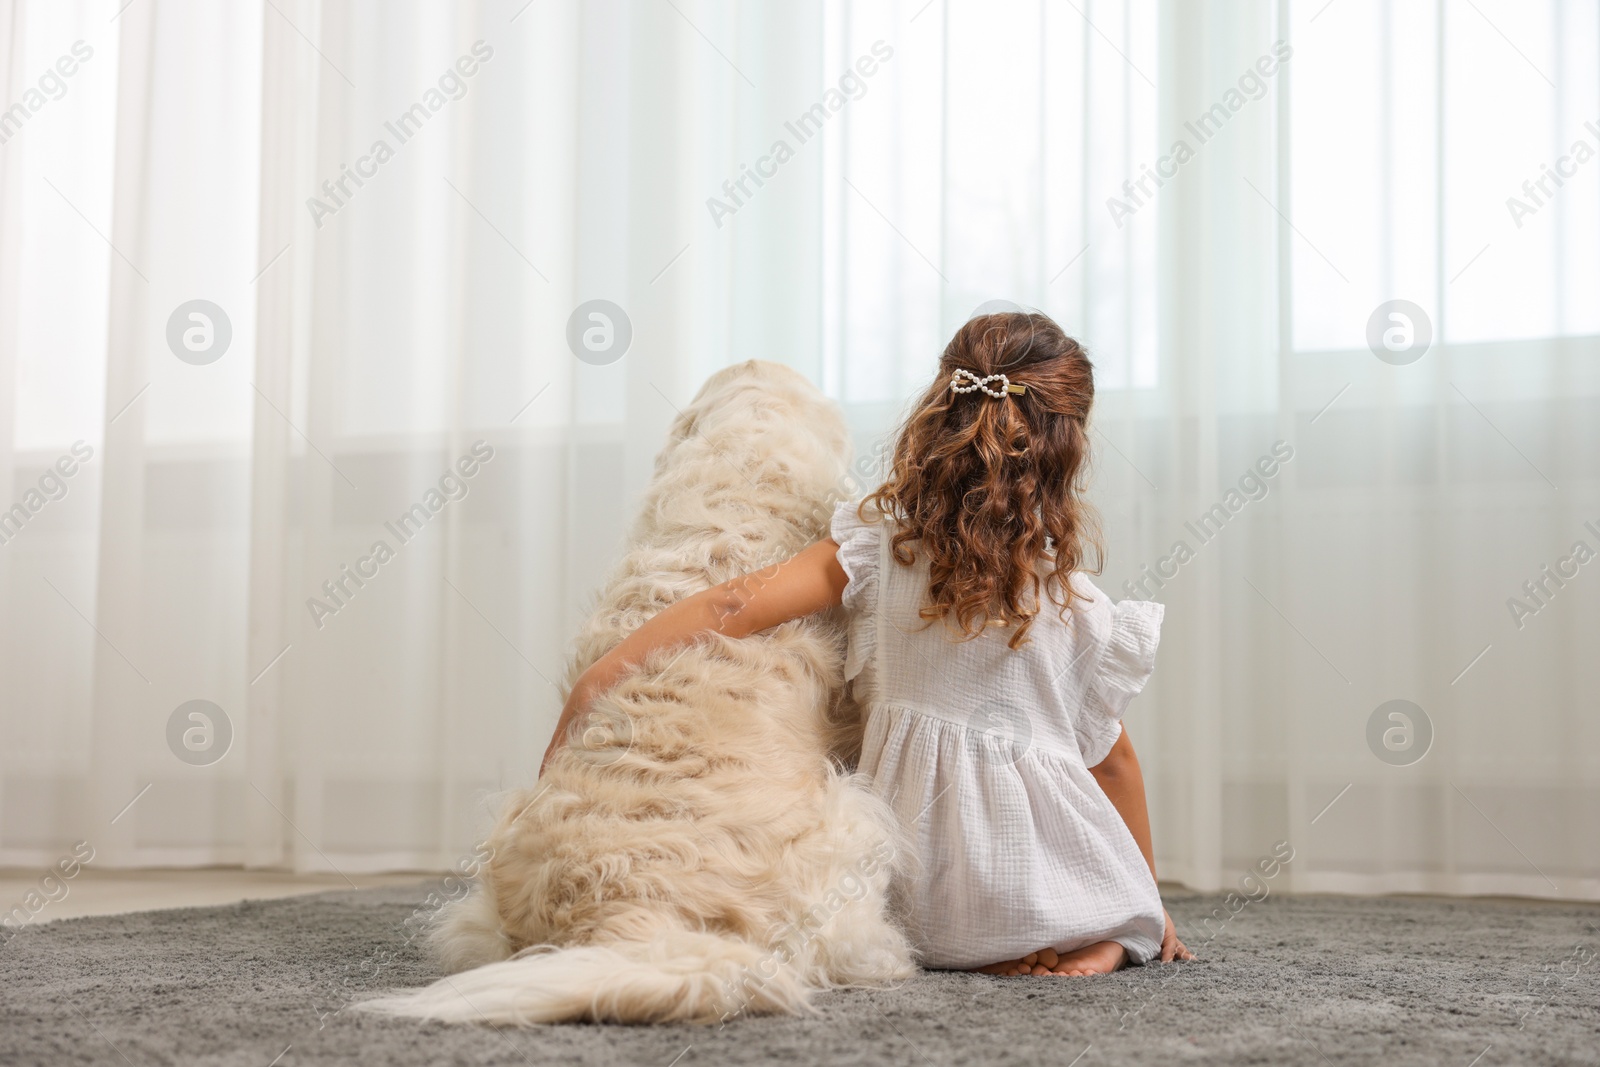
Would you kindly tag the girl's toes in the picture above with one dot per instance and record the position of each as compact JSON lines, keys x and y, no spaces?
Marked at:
{"x":1040,"y":969}
{"x":1031,"y":958}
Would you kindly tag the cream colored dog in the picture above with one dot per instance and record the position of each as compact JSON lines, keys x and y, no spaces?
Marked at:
{"x":694,"y":853}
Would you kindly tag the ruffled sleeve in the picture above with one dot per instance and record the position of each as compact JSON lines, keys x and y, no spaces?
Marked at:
{"x":858,"y":542}
{"x":1126,"y":663}
{"x":858,"y":555}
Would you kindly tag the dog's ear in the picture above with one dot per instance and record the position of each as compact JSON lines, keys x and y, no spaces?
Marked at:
{"x":683,"y":427}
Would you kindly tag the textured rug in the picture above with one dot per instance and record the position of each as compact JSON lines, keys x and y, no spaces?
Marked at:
{"x":1289,"y":980}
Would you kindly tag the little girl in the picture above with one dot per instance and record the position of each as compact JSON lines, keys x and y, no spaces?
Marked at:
{"x":992,"y":672}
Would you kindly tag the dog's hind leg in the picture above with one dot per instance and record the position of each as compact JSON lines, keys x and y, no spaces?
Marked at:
{"x":848,"y":868}
{"x":467,"y":933}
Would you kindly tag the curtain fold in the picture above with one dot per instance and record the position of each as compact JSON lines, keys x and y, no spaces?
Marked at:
{"x":307,"y":602}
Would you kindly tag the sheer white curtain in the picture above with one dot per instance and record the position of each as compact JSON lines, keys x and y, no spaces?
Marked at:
{"x":397,"y":208}
{"x":1333,"y":158}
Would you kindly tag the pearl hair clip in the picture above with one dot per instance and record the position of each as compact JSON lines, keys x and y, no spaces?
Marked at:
{"x":964,"y":381}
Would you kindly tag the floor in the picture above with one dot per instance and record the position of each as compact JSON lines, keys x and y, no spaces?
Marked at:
{"x":1288,"y":980}
{"x":103,"y":892}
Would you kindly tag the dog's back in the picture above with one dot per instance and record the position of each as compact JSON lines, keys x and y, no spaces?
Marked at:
{"x":692,"y":853}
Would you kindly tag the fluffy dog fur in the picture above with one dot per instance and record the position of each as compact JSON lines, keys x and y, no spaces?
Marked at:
{"x":694,"y":853}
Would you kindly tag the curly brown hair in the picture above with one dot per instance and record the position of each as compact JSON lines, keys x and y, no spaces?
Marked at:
{"x":988,"y":487}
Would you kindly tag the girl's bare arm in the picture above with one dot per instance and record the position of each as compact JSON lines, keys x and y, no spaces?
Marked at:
{"x":802,"y":585}
{"x":1122,"y":780}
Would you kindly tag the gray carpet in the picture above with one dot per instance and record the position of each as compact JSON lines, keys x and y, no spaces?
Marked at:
{"x":1307,"y":980}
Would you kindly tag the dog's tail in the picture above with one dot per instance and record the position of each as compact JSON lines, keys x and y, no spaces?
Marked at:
{"x":677,"y":976}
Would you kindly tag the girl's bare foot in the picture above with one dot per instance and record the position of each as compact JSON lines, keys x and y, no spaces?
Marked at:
{"x":1102,"y":957}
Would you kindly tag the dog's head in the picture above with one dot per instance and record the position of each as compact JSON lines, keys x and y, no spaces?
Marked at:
{"x":755,"y":401}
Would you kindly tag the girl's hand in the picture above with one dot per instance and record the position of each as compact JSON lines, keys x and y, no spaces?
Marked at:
{"x":550,"y":750}
{"x":1171,"y":947}
{"x":577,"y":703}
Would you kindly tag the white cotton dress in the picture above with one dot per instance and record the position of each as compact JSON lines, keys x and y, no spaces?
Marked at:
{"x":983,"y":753}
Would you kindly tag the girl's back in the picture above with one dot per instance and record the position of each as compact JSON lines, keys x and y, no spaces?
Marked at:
{"x":983,"y":752}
